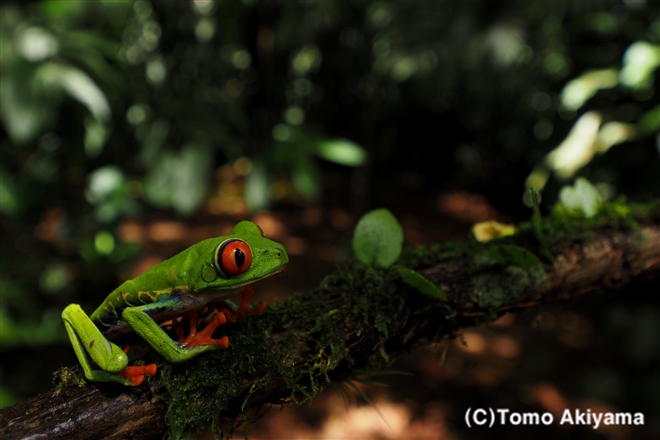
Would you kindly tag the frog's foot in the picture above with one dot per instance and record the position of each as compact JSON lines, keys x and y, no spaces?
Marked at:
{"x":203,"y":337}
{"x":135,"y":374}
{"x":244,"y":308}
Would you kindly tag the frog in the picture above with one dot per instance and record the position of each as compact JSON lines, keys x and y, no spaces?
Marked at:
{"x":196,"y":279}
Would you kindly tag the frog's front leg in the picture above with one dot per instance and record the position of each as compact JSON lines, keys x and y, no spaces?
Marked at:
{"x":139,"y":318}
{"x":88,"y":342}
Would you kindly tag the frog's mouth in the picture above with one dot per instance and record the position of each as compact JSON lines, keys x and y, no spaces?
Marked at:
{"x":277,"y":272}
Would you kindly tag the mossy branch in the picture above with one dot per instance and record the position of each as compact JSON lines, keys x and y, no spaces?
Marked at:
{"x":357,"y":319}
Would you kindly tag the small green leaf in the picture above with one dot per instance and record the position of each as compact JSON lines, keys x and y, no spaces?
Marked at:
{"x":378,"y":239}
{"x":342,"y":151}
{"x":582,"y":196}
{"x":510,"y":254}
{"x":416,"y":280}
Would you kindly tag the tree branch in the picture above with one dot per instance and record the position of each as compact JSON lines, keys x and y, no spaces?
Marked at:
{"x":355,"y":320}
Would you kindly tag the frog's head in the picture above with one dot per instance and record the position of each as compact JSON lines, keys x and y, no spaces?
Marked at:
{"x":241,"y":258}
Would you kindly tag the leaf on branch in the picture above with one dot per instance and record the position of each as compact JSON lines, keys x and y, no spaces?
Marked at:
{"x":419,"y":282}
{"x":378,"y":239}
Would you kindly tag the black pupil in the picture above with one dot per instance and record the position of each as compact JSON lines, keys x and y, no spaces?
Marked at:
{"x":239,"y":257}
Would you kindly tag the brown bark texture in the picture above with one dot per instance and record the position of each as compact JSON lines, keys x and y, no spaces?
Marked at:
{"x":609,"y":260}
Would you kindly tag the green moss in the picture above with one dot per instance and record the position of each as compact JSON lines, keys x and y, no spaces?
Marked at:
{"x":66,"y":376}
{"x":321,"y":324}
{"x":360,"y":304}
{"x":494,"y":289}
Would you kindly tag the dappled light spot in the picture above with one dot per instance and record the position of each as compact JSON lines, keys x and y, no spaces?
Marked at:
{"x":131,"y":231}
{"x":294,"y":115}
{"x":364,"y":422}
{"x":356,"y":421}
{"x":639,"y":62}
{"x":104,"y":243}
{"x":241,"y":59}
{"x":51,"y":227}
{"x":431,"y":425}
{"x":578,"y":148}
{"x":36,"y":44}
{"x":435,"y":369}
{"x":143,"y":265}
{"x":137,"y":113}
{"x":203,"y":6}
{"x":550,"y":398}
{"x":504,"y":41}
{"x":281,"y":132}
{"x":295,"y":245}
{"x":56,"y":277}
{"x":613,"y":431}
{"x":271,"y":225}
{"x":227,"y":205}
{"x":307,"y":59}
{"x":280,"y":189}
{"x":506,"y":347}
{"x":226,"y":173}
{"x":340,"y":219}
{"x":504,"y":320}
{"x":167,"y":231}
{"x":205,"y":30}
{"x":471,"y":342}
{"x":576,"y":92}
{"x":465,"y":206}
{"x":242,"y":166}
{"x":156,"y":71}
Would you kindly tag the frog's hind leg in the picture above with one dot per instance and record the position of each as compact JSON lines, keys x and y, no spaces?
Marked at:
{"x":90,"y":345}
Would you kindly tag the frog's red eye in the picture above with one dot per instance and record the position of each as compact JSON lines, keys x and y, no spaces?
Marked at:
{"x":233,"y":257}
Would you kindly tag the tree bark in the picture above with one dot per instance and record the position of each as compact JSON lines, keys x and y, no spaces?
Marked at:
{"x":609,"y":260}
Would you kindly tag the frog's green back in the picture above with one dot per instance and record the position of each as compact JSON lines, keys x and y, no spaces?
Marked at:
{"x":192,"y":270}
{"x":161,"y":281}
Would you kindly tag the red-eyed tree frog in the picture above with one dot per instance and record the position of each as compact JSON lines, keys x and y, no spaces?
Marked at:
{"x":205,"y":273}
